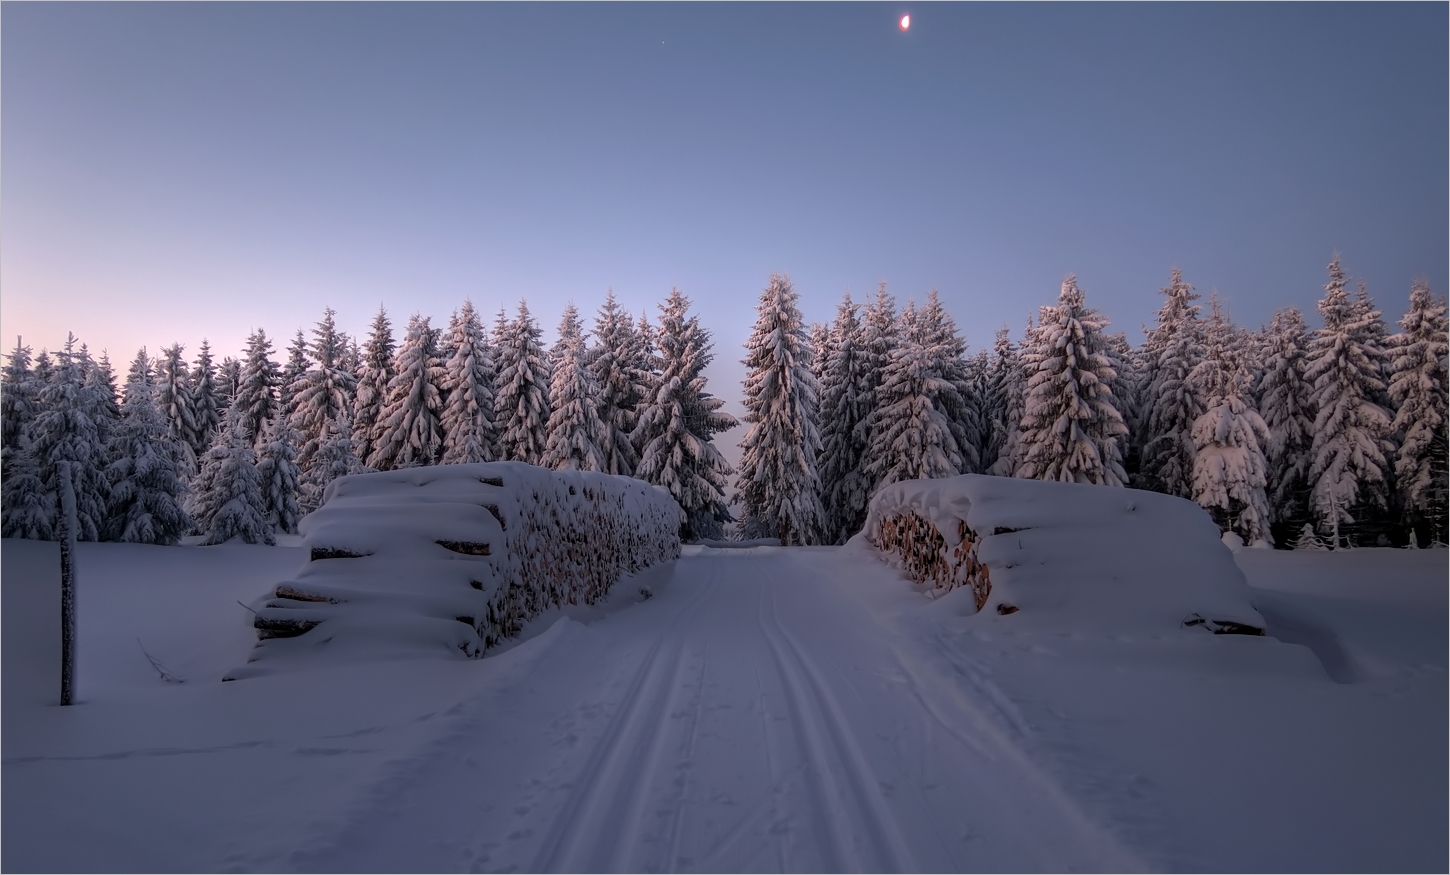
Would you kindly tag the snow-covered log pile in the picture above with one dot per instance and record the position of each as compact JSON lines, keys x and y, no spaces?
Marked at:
{"x":460,"y":556}
{"x":1089,"y":555}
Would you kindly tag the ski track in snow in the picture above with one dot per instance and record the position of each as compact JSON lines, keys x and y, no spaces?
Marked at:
{"x":751,"y":717}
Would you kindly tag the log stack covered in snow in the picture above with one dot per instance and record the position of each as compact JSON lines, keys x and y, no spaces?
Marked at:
{"x":1070,"y":554}
{"x":459,"y":556}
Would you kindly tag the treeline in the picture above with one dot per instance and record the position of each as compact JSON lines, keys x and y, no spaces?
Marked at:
{"x":1301,"y":438}
{"x":245,"y":449}
{"x":1286,"y":435}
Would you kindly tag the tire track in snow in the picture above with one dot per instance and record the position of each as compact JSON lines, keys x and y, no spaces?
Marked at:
{"x":624,"y":764}
{"x":677,"y":822}
{"x":823,"y":734}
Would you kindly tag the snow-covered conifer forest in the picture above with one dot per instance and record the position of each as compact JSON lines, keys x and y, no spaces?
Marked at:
{"x":1340,"y":427}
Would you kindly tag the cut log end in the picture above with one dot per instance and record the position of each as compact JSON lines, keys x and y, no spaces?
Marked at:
{"x":335,"y":553}
{"x":286,"y":592}
{"x":468,"y":548}
{"x":497,"y":514}
{"x":274,"y":627}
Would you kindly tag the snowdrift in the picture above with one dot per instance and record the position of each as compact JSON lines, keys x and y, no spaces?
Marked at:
{"x":457,"y":557}
{"x":1073,"y":555}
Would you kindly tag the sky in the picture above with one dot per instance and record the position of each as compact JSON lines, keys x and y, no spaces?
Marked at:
{"x":172,"y":172}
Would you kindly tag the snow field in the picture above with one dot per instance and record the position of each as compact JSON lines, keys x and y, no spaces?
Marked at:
{"x":1318,"y":748}
{"x":456,"y":558}
{"x":766,"y":709}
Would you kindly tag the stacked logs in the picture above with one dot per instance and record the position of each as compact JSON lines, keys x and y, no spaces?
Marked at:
{"x":489,"y":545}
{"x":922,"y":553}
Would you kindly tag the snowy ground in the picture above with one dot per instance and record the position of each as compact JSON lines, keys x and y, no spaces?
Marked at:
{"x":800,"y":709}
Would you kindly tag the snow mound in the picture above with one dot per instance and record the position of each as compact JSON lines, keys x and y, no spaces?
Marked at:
{"x":1072,"y":555}
{"x":455,"y":558}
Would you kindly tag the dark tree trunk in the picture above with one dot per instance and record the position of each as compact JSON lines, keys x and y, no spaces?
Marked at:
{"x":67,"y":582}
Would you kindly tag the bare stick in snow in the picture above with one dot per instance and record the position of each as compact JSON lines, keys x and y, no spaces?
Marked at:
{"x":160,"y":669}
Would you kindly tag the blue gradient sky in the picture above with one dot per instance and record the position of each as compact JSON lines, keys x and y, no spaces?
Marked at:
{"x":172,"y":172}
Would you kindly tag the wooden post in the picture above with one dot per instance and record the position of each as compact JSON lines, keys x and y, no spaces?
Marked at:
{"x":67,"y":582}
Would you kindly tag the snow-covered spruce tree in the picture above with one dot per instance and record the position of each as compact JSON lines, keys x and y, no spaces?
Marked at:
{"x":571,"y":332}
{"x":1170,"y":404}
{"x":1010,"y":389}
{"x":819,"y":345}
{"x":27,"y":510}
{"x":500,"y":328}
{"x":351,"y":358}
{"x":103,"y":378}
{"x":102,"y":385}
{"x":1070,"y":425}
{"x":410,"y":428}
{"x":174,"y":400}
{"x":576,"y":433}
{"x":1418,"y":388}
{"x":148,"y":494}
{"x":1306,"y":539}
{"x":229,"y":381}
{"x":1254,"y":352}
{"x":444,"y":342}
{"x":647,"y":369}
{"x":844,"y":414}
{"x":375,"y":373}
{"x":521,"y":400}
{"x":778,"y":483}
{"x":1377,"y":335}
{"x":468,"y":428}
{"x":292,"y":372}
{"x":278,"y":475}
{"x":937,"y":333}
{"x":979,"y":369}
{"x":141,"y":370}
{"x":1229,"y":470}
{"x":66,"y":429}
{"x":613,"y":365}
{"x":256,"y":399}
{"x":19,"y":399}
{"x":994,"y":398}
{"x":226,"y":500}
{"x":336,"y":457}
{"x":676,"y":425}
{"x":44,"y":368}
{"x":205,"y":403}
{"x":1349,"y":461}
{"x":880,"y":334}
{"x":324,"y":394}
{"x":1125,"y":386}
{"x":911,"y":438}
{"x":1285,"y":401}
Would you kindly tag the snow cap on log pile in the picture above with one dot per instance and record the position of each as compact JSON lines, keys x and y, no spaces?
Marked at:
{"x":1077,"y":556}
{"x":451,"y":559}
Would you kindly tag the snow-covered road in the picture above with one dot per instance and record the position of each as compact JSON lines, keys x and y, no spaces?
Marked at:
{"x":755,"y":715}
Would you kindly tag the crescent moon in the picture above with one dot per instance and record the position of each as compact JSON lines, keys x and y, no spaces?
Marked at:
{"x":905,"y":22}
